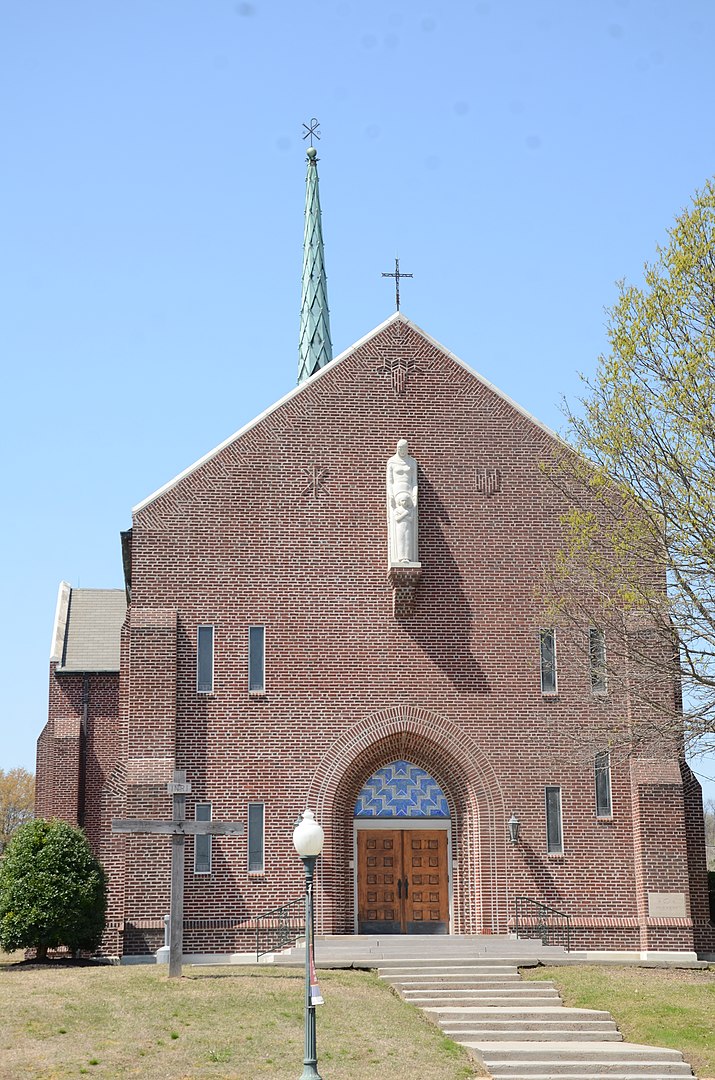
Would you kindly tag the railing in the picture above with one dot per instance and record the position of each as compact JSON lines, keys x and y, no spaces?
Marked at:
{"x":280,"y":927}
{"x":536,"y":920}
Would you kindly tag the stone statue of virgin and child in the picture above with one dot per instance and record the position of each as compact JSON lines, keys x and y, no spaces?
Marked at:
{"x":402,"y":507}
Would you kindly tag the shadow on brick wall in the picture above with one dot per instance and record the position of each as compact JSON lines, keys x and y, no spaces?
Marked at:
{"x":442,"y":624}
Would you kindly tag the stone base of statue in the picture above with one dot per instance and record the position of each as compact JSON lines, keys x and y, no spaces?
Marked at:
{"x":403,"y":579}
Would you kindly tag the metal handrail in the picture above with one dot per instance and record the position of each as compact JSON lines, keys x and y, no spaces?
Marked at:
{"x":279,"y":927}
{"x":534,"y":919}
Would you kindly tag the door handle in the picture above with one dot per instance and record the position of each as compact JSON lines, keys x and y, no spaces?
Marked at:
{"x":407,"y":888}
{"x":399,"y":888}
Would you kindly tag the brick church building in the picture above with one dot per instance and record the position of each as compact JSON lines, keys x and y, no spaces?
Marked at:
{"x":338,"y":608}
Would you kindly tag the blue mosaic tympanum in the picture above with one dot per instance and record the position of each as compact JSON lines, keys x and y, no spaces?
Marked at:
{"x":401,"y":790}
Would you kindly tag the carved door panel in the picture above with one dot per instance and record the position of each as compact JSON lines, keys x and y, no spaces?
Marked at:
{"x":403,"y":884}
{"x":427,"y":882}
{"x":379,"y":873}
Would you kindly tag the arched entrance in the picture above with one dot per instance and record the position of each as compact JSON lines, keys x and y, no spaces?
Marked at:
{"x":402,"y":853}
{"x":476,"y":805}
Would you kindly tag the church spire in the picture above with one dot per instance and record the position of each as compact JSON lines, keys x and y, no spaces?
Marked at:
{"x":315,"y":349}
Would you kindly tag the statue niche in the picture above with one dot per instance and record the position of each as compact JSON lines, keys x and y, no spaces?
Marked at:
{"x":402,"y":508}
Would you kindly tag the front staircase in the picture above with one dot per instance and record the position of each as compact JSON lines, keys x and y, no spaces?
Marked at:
{"x":471,"y":988}
{"x":520,"y":1029}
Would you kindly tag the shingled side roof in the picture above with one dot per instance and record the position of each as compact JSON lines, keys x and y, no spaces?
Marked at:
{"x":88,"y":623}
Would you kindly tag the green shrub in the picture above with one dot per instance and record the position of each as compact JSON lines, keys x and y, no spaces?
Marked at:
{"x":52,"y":890}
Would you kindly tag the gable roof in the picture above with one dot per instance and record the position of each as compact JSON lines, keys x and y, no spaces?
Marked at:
{"x":397,"y":316}
{"x":86,"y":634}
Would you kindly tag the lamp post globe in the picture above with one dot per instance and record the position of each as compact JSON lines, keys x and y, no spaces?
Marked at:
{"x":308,"y":836}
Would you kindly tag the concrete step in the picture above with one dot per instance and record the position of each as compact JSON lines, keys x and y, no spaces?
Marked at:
{"x":337,"y":958}
{"x":509,"y":1060}
{"x":458,"y":984}
{"x":459,"y":943}
{"x":630,"y":1052}
{"x":481,"y":997}
{"x":539,"y":1035}
{"x":557,"y":1070}
{"x":462,"y":987}
{"x":522,"y":989}
{"x":589,"y":1072}
{"x":514,"y":1012}
{"x":516,"y":1033}
{"x":432,"y":1004}
{"x":449,"y":978}
{"x":449,"y":963}
{"x":495,"y":1023}
{"x":455,"y":971}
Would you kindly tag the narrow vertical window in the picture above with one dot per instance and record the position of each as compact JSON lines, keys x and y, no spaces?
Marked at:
{"x":554,"y":838}
{"x":597,"y":659}
{"x":603,"y":784}
{"x":256,"y":861}
{"x":202,"y":844}
{"x":548,"y":661}
{"x":205,"y":660}
{"x":256,"y":659}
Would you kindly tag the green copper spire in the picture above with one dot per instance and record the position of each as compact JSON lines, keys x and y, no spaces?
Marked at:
{"x":315,"y":349}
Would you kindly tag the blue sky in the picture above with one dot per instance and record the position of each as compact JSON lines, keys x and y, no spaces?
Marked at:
{"x":520,"y":156}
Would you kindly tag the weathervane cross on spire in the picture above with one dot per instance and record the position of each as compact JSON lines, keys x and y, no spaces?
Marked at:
{"x":397,"y":275}
{"x":312,"y":129}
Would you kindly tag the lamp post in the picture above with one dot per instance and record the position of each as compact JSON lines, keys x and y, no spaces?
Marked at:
{"x":308,"y":841}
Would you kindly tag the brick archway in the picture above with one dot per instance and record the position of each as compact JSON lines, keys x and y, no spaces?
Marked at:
{"x":475,"y":800}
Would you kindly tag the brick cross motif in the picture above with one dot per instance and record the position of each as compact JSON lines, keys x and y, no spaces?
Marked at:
{"x":489,"y":481}
{"x":317,"y":478}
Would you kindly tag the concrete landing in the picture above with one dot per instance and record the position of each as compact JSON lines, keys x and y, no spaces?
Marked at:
{"x":365,"y":951}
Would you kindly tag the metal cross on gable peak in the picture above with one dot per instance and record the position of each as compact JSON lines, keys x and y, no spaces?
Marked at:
{"x":397,"y":275}
{"x":312,"y":129}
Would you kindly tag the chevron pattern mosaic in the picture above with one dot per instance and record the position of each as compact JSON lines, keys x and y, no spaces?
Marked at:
{"x":401,"y":790}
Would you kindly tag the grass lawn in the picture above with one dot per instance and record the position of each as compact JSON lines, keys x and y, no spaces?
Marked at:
{"x":660,"y":1006}
{"x":63,"y":1021}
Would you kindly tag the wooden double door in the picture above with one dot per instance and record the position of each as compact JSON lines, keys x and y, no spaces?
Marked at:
{"x":403,"y":881}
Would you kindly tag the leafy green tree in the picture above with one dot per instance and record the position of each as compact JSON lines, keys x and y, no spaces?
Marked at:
{"x":52,"y":889}
{"x":17,"y":800}
{"x":640,"y":558}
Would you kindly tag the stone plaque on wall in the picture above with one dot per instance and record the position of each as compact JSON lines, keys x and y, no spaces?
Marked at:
{"x":666,"y":905}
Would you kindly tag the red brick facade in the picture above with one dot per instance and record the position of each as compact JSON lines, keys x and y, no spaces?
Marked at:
{"x":285,"y":527}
